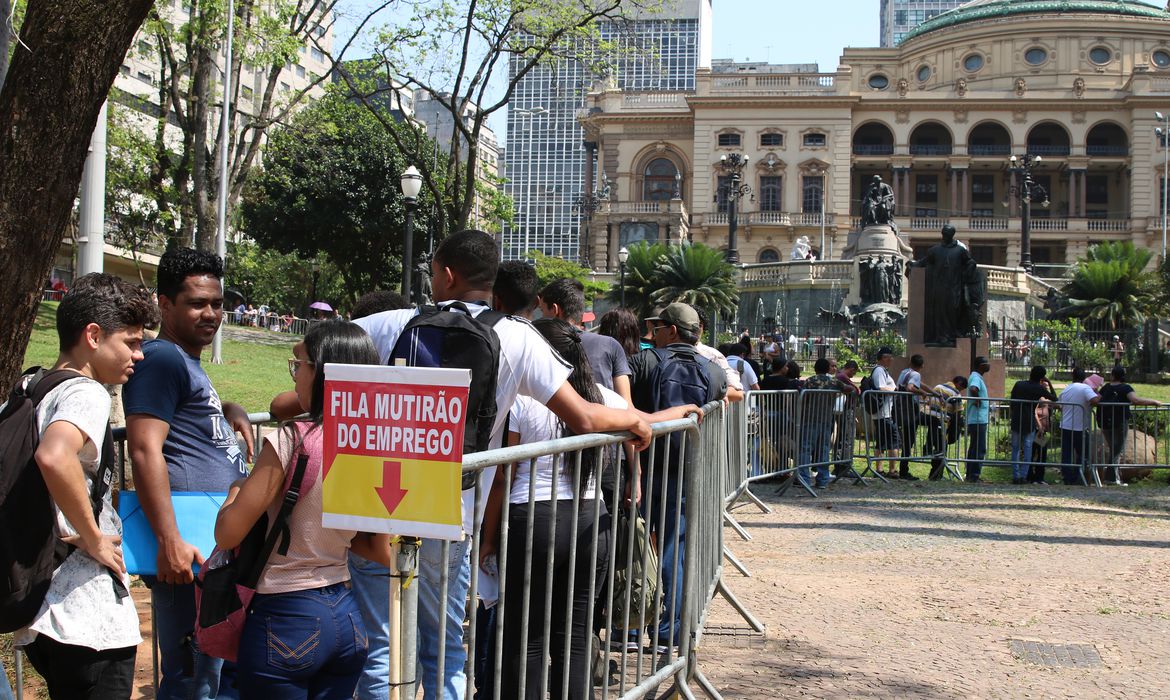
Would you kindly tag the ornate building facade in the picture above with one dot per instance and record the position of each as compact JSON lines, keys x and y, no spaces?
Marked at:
{"x":937,"y":117}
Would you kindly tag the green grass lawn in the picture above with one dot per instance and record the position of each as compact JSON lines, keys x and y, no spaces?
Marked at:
{"x":252,"y":373}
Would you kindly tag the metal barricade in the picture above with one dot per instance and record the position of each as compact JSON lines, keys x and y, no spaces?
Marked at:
{"x":684,"y":475}
{"x":825,"y":431}
{"x":739,"y":456}
{"x":1129,"y":437}
{"x":772,"y":433}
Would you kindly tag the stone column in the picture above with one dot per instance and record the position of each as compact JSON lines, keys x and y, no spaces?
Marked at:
{"x":1081,"y":192}
{"x":1073,"y":202}
{"x":1014,"y":201}
{"x":966,"y":193}
{"x":954,"y":192}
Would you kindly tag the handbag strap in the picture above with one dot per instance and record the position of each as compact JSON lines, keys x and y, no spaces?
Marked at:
{"x":279,"y":532}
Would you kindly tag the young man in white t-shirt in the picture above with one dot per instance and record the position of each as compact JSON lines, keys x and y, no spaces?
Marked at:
{"x":889,"y":441}
{"x":464,"y":269}
{"x":1077,"y":401}
{"x":84,"y":638}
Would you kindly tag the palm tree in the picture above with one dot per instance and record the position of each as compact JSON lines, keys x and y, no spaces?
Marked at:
{"x":641,"y":278}
{"x":697,"y":275}
{"x":1111,"y":285}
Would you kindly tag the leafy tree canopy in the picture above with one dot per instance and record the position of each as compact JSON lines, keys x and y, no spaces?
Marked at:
{"x":658,"y":274}
{"x":1110,"y":285}
{"x":549,"y":268}
{"x":330,"y":187}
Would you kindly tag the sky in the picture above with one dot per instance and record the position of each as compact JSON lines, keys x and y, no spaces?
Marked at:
{"x":797,"y":31}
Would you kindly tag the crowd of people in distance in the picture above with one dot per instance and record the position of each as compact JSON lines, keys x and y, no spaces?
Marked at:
{"x":318,"y":626}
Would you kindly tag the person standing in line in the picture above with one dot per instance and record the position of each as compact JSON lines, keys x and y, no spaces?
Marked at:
{"x":735,"y":386}
{"x":734,"y":354}
{"x":1022,"y":412}
{"x":817,"y":427}
{"x":943,"y":418}
{"x":910,"y":381}
{"x":622,"y":326}
{"x":1077,"y":401}
{"x":565,"y":299}
{"x":182,"y":439}
{"x":978,"y":416}
{"x":889,"y":438}
{"x":84,"y":638}
{"x":1113,"y":416}
{"x":464,"y":269}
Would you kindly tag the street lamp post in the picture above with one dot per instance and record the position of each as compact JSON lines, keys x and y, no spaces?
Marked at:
{"x":623,"y":256}
{"x":411,"y":183}
{"x":733,"y":164}
{"x":1163,"y":133}
{"x":1027,"y":190}
{"x":586,"y":205}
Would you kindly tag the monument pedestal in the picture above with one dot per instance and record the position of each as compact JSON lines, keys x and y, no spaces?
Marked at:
{"x":944,"y":363}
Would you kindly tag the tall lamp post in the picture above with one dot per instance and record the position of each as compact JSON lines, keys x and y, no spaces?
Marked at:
{"x":411,"y":183}
{"x":623,"y":256}
{"x":1026,"y":191}
{"x":732,"y":164}
{"x":1163,"y":133}
{"x":586,"y":205}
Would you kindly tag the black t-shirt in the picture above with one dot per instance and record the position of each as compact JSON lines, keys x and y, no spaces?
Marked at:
{"x":1110,"y":416}
{"x":1025,"y":394}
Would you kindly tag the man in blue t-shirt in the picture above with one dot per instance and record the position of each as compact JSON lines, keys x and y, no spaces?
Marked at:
{"x":978,"y":414}
{"x":182,"y":438}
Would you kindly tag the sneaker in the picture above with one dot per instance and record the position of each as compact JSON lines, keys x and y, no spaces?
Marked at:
{"x":662,"y":650}
{"x":619,"y":644}
{"x":908,"y":477}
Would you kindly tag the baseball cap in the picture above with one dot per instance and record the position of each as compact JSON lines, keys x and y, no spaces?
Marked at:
{"x":678,"y":314}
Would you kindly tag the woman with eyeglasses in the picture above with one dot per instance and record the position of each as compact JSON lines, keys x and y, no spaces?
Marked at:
{"x":304,"y":636}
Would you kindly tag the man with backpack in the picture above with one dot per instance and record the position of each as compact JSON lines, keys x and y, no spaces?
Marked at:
{"x":464,"y":271}
{"x":906,"y":410}
{"x":671,"y":374}
{"x":79,"y":625}
{"x":182,"y":438}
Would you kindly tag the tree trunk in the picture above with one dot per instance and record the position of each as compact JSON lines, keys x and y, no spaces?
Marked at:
{"x":60,"y":75}
{"x":5,"y":38}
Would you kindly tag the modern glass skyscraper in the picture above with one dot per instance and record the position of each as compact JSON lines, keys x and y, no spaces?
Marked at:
{"x":544,"y":162}
{"x":900,"y":16}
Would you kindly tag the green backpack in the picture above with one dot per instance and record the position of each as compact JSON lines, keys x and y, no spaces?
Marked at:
{"x":636,"y":599}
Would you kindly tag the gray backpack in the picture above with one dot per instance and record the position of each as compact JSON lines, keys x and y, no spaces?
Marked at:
{"x":636,"y":599}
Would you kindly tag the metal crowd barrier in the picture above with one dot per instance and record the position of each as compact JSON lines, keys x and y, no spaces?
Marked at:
{"x":925,"y":434}
{"x":798,"y":431}
{"x":740,"y":454}
{"x":630,"y":655}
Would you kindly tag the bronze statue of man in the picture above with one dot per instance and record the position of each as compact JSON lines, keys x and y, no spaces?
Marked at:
{"x":877,"y":205}
{"x":954,"y":292}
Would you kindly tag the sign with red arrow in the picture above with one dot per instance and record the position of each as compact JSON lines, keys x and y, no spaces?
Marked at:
{"x":393,"y":450}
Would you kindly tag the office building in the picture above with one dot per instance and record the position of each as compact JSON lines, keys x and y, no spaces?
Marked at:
{"x":899,"y":17}
{"x":548,"y":165}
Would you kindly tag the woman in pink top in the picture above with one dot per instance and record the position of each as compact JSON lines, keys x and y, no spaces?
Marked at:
{"x":304,"y":636}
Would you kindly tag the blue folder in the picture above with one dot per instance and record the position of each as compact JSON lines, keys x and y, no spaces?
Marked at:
{"x":195,"y":513}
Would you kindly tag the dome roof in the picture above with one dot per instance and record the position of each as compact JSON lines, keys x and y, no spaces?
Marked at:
{"x":992,"y":9}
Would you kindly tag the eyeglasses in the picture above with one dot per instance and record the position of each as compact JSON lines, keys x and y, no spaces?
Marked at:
{"x":294,"y":364}
{"x":659,"y":327}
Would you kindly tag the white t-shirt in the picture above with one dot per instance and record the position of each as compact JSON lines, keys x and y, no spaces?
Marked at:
{"x":81,"y":607}
{"x":528,"y":366}
{"x":910,"y":378}
{"x":533,"y":422}
{"x":1074,"y":415}
{"x":747,"y":374}
{"x":882,"y":380}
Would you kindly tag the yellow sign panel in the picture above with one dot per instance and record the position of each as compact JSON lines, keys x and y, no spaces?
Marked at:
{"x":394,"y":449}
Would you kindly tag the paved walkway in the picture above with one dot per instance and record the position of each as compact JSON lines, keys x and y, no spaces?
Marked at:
{"x":949,"y":591}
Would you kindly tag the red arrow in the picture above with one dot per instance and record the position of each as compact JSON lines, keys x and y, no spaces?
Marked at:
{"x":391,"y":491}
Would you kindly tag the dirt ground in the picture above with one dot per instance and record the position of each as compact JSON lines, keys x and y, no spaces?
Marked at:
{"x":948,"y":591}
{"x":938,"y":590}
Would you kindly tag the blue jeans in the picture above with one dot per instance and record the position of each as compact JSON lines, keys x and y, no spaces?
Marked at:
{"x":302,"y":645}
{"x":1072,"y":451}
{"x":666,"y":518}
{"x":5,"y":688}
{"x":814,"y":447}
{"x":1020,"y":459}
{"x":430,"y":569}
{"x":976,"y":449}
{"x":371,"y":591}
{"x":185,"y":673}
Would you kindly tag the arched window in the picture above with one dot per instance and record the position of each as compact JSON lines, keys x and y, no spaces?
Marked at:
{"x":769,"y":255}
{"x":658,"y":181}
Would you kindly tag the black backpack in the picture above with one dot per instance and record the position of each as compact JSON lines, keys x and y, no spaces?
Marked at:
{"x":682,"y":376}
{"x":871,"y":401}
{"x":451,"y":337}
{"x":29,"y":548}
